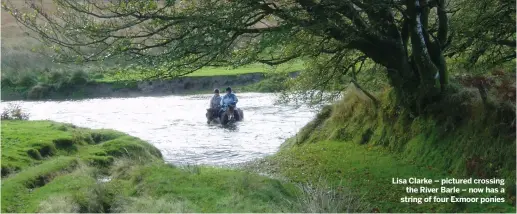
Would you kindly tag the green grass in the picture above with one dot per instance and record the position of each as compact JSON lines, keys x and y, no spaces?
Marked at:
{"x":368,"y":170}
{"x":66,"y":179}
{"x":35,"y":153}
{"x":25,"y":144}
{"x":17,"y":189}
{"x":209,"y":71}
{"x":358,"y":146}
{"x":273,"y":82}
{"x":202,"y":190}
{"x":255,"y":68}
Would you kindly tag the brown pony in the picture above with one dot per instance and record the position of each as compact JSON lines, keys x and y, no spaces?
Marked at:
{"x":231,"y":114}
{"x":212,"y":114}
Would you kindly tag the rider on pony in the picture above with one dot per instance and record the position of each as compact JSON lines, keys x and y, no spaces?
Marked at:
{"x":215,"y":105}
{"x":228,"y":99}
{"x":215,"y":101}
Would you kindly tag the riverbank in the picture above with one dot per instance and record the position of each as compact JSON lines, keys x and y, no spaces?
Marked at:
{"x":54,"y":167}
{"x":81,"y":89}
{"x":362,"y":147}
{"x":349,"y":154}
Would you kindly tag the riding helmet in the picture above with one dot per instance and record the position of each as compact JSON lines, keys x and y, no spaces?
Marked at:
{"x":216,"y":90}
{"x":229,"y":89}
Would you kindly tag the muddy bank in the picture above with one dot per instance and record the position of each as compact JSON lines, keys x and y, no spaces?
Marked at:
{"x":183,"y":85}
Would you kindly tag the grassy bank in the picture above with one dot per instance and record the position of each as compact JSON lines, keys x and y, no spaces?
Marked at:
{"x":78,"y":84}
{"x":208,"y":71}
{"x":272,"y":82}
{"x":55,"y":167}
{"x":357,"y":145}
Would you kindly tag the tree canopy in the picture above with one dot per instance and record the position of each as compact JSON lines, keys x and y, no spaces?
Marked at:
{"x":409,"y":38}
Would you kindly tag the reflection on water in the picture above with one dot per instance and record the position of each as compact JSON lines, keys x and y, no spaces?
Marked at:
{"x":177,"y":125}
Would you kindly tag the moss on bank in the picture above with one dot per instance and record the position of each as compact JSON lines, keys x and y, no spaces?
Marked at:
{"x":364,"y":147}
{"x":55,"y":167}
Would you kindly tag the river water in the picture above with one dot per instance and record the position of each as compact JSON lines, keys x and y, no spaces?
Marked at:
{"x":177,"y":125}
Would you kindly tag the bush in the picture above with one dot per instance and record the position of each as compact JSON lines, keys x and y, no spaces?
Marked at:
{"x":27,"y":80}
{"x":39,"y":91}
{"x":6,"y":81}
{"x":56,"y":77}
{"x":14,"y":112}
{"x":79,"y":77}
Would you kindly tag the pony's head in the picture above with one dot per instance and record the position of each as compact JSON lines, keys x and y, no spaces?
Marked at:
{"x":230,"y":111}
{"x":211,"y":114}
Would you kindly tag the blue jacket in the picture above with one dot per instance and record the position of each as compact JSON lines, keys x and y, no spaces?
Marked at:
{"x":228,"y":99}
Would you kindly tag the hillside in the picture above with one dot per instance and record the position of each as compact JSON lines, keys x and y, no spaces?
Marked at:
{"x":363,"y":147}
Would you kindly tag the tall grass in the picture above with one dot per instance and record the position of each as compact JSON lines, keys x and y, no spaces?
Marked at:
{"x":320,"y":197}
{"x":59,"y":204}
{"x":147,"y":204}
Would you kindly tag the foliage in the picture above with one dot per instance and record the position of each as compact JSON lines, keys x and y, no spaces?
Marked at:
{"x":14,"y":112}
{"x":368,"y":145}
{"x":273,"y":82}
{"x":53,"y":83}
{"x":316,"y":87}
{"x":484,"y":33}
{"x":410,"y":39}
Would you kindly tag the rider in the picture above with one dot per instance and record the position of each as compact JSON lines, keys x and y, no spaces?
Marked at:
{"x":215,"y":101}
{"x":228,"y":98}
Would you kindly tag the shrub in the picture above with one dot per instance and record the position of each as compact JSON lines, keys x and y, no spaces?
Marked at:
{"x":79,"y":77}
{"x":39,"y":91}
{"x":6,"y":81}
{"x":14,"y":112}
{"x":27,"y":80}
{"x":56,"y":77}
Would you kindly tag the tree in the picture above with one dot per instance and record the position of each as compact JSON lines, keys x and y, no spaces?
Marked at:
{"x":407,"y":37}
{"x":484,"y":32}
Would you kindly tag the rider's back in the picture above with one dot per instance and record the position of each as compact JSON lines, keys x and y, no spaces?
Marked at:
{"x":228,"y":99}
{"x":215,"y":102}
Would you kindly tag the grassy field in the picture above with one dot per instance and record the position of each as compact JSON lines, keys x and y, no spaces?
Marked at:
{"x":55,"y":167}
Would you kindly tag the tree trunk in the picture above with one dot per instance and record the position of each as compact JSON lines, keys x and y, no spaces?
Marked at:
{"x":427,"y":70}
{"x":400,"y":73}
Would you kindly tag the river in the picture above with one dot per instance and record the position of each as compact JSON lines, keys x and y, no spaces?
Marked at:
{"x":177,"y":125}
